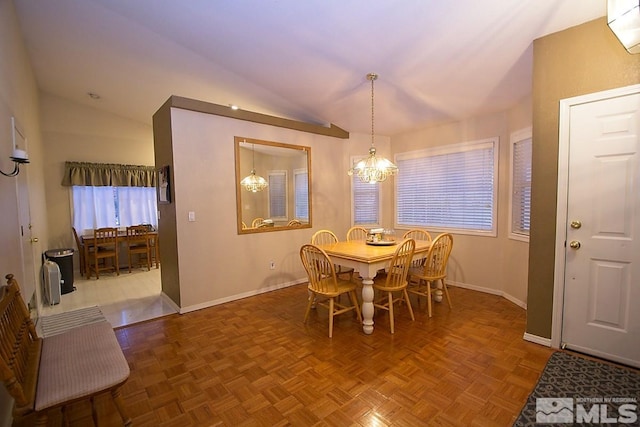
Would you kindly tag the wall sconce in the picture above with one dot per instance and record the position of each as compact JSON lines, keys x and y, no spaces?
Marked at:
{"x":623,"y":18}
{"x":19,"y":157}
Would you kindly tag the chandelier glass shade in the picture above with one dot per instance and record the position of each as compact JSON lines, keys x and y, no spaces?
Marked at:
{"x":253,"y":182}
{"x":373,"y":168}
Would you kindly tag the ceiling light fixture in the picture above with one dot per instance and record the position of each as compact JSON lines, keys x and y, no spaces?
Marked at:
{"x":234,"y":107}
{"x":373,"y":168}
{"x":253,"y":182}
{"x":623,"y":17}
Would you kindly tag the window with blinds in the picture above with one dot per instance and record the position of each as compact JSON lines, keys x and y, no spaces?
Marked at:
{"x":520,"y":182}
{"x":301,"y":194}
{"x":450,"y":188}
{"x":365,"y":202}
{"x":278,"y":195}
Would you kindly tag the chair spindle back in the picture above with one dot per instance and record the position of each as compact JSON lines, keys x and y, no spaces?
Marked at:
{"x":324,"y":237}
{"x":400,"y":263}
{"x":320,"y":269}
{"x":357,"y":233}
{"x":19,"y":344}
{"x":436,"y":262}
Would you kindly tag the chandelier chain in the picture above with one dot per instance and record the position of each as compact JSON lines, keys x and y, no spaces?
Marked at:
{"x":373,"y":77}
{"x":373,"y":168}
{"x":253,"y":182}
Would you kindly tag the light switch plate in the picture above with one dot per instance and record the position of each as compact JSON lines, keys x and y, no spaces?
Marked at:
{"x":192,"y":216}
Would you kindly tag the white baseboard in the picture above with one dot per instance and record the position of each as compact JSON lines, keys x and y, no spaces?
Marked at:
{"x":514,"y":300}
{"x":503,"y":294}
{"x":527,"y":337}
{"x":169,"y":301}
{"x":474,"y":288}
{"x":183,"y":310}
{"x":537,"y":340}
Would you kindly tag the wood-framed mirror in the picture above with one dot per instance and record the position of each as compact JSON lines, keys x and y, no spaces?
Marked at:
{"x":285,"y":204}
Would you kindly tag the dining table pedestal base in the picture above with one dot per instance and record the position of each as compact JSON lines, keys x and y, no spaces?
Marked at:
{"x":367,"y":306}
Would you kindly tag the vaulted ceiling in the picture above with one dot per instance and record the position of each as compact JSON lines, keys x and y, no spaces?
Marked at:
{"x":302,"y":59}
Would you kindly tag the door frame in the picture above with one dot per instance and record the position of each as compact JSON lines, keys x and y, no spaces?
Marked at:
{"x":563,"y":195}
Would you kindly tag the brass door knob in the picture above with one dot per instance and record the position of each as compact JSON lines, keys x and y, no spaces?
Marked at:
{"x":576,"y":224}
{"x":574,"y":244}
{"x":34,"y":240}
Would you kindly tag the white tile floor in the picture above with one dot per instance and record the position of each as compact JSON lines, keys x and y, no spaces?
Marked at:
{"x":124,"y":299}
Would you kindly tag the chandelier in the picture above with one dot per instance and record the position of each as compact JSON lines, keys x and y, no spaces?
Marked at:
{"x":253,"y":182}
{"x":373,"y":169}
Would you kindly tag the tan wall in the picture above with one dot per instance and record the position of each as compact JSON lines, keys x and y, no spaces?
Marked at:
{"x":494,"y":264}
{"x":18,"y":98}
{"x":74,"y":132}
{"x":200,"y":274}
{"x":213,"y":263}
{"x":163,"y":151}
{"x":581,"y":60}
{"x":514,"y":270}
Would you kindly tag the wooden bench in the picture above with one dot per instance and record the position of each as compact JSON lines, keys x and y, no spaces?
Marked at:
{"x":48,"y":373}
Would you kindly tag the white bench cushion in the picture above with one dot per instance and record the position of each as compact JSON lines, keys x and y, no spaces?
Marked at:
{"x":79,"y":363}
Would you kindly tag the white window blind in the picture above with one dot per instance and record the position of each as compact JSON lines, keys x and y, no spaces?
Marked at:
{"x":301,"y":194}
{"x":449,"y":187}
{"x":520,"y":185}
{"x":366,"y":202}
{"x":278,"y":195}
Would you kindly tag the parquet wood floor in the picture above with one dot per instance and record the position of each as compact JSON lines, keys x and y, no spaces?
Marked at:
{"x":253,"y":362}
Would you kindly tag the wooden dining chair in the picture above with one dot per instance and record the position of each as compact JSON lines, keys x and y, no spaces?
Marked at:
{"x":294,"y":223}
{"x":417,"y":234}
{"x":423,"y":279}
{"x":105,"y":247}
{"x":395,"y":280}
{"x":138,"y":244}
{"x":257,"y":222}
{"x":82,"y":260}
{"x":154,"y":249}
{"x":154,"y":245}
{"x":325,"y":286}
{"x":357,"y":233}
{"x":327,"y":237}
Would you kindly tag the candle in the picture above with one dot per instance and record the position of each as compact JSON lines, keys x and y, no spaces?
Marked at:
{"x":20,"y":154}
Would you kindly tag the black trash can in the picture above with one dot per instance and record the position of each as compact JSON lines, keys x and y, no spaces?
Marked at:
{"x":64,"y":259}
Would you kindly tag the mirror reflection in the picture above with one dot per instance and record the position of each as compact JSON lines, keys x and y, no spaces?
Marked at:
{"x":273,"y":185}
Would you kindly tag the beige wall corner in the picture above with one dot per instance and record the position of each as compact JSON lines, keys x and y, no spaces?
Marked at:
{"x":580,"y":60}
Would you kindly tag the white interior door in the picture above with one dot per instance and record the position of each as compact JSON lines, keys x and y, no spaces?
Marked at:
{"x":602,"y":251}
{"x":28,"y":242}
